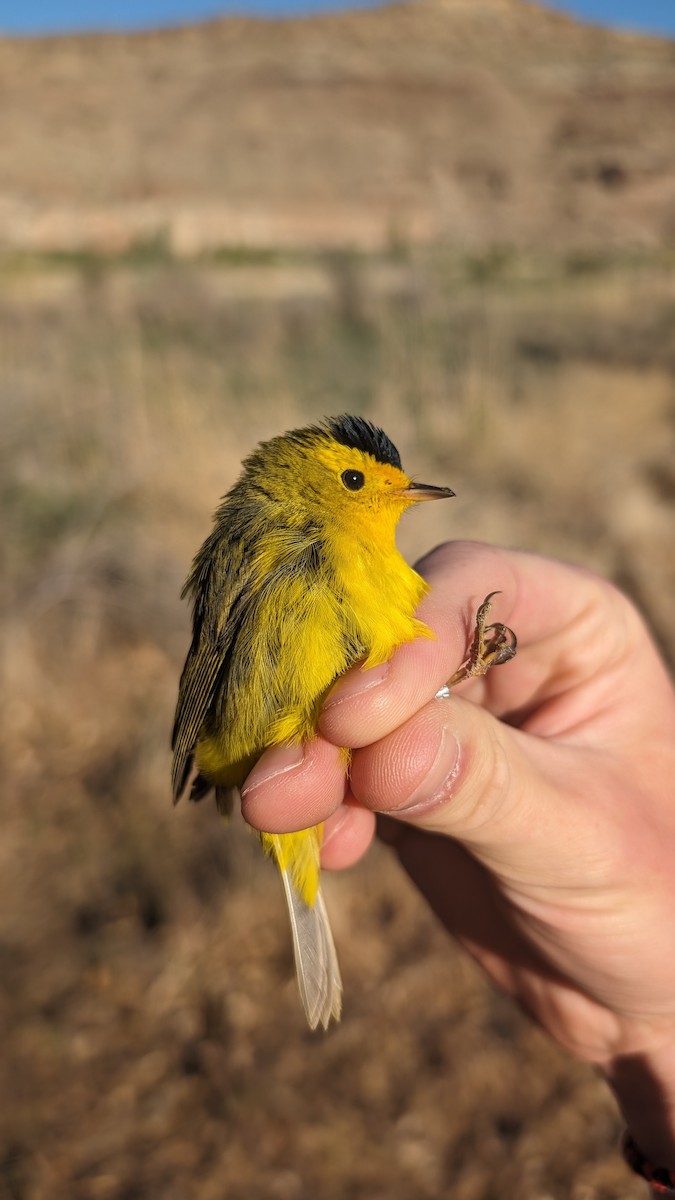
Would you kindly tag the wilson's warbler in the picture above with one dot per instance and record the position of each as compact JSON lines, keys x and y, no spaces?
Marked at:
{"x":299,"y":580}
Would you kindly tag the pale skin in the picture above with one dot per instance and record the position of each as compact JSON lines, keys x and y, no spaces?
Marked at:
{"x":534,"y":808}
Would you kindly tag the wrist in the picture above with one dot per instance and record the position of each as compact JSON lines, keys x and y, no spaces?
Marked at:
{"x":644,"y":1087}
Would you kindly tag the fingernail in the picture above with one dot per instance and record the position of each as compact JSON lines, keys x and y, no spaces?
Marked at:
{"x":275,"y":762}
{"x":355,"y":682}
{"x":437,"y":783}
{"x":335,"y":823}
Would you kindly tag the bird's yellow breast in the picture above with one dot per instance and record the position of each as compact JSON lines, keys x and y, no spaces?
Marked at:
{"x":382,"y":592}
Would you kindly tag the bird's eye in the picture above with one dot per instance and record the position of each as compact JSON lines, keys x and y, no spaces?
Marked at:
{"x":353,"y":480}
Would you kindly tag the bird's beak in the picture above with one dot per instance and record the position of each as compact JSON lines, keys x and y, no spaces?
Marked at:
{"x":426,"y":491}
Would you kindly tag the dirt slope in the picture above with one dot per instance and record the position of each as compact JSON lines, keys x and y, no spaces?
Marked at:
{"x":495,"y":121}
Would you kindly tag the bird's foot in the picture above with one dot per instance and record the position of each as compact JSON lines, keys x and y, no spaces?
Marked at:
{"x":492,"y":645}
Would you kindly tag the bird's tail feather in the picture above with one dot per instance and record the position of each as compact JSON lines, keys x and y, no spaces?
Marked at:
{"x":316,"y":962}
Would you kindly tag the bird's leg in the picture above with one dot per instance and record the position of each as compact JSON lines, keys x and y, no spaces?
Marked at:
{"x":491,"y":646}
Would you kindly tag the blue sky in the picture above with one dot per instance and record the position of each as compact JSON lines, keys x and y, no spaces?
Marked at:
{"x":47,"y":16}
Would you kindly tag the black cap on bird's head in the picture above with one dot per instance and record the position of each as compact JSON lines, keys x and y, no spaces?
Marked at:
{"x":363,"y":435}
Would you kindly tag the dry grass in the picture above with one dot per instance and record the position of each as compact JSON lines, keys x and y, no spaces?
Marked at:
{"x":154,"y":1043}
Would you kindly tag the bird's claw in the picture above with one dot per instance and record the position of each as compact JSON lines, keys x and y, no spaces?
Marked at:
{"x":491,"y":646}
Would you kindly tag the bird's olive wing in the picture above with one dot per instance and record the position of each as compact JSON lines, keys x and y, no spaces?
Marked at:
{"x":194,"y":697}
{"x":218,"y":584}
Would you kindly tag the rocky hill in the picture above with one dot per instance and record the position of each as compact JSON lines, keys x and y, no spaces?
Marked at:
{"x":480,"y":122}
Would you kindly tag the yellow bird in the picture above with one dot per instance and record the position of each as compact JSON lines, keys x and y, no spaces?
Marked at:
{"x":299,"y":580}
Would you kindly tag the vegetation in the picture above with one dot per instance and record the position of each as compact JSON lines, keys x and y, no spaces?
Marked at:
{"x":154,"y":1045}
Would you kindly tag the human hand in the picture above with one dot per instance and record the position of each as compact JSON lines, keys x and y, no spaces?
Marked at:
{"x":532,"y":808}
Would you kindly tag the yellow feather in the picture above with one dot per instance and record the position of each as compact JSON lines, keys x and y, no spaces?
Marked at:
{"x":299,"y":580}
{"x":297,"y":853}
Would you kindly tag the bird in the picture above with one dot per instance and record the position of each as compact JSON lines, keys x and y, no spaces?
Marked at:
{"x":299,"y":580}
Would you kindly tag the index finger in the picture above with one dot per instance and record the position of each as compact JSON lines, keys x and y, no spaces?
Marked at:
{"x":538,"y":598}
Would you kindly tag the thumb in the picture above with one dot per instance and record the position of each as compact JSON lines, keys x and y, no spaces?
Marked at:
{"x":509,"y":797}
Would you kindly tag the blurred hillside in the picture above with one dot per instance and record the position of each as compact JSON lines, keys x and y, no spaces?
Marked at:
{"x":456,"y":219}
{"x":483,"y":123}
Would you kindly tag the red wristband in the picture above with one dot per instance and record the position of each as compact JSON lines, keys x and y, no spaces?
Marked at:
{"x":660,"y":1179}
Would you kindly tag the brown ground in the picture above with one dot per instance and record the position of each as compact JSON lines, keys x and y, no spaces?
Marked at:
{"x":154,"y":1044}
